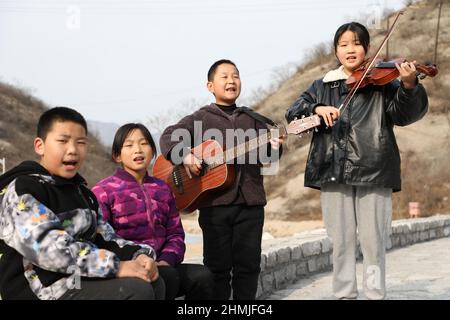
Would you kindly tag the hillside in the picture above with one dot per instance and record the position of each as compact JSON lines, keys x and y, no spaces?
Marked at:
{"x":424,"y":145}
{"x":19,"y":113}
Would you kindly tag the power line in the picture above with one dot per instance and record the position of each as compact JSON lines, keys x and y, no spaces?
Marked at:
{"x":172,"y":3}
{"x":179,"y":8}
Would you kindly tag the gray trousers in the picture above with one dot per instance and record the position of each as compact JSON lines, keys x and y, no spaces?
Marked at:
{"x":347,"y":209}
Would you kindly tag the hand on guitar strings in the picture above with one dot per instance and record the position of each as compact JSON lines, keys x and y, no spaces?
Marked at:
{"x":192,"y":164}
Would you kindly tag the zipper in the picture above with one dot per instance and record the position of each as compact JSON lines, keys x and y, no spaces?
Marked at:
{"x":147,"y":206}
{"x":345,"y":173}
{"x":90,"y":233}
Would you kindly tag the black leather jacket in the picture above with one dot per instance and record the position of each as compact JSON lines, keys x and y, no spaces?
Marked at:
{"x":360,"y":149}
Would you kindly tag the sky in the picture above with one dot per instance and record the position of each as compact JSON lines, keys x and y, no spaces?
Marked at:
{"x":128,"y":60}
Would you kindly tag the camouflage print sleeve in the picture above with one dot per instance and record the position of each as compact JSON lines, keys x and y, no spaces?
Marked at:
{"x":38,"y":234}
{"x":125,"y":249}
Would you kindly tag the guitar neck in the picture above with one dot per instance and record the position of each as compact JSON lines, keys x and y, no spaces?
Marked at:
{"x":297,"y":127}
{"x":233,"y":153}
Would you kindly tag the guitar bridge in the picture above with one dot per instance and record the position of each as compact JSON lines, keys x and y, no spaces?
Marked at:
{"x":177,"y":179}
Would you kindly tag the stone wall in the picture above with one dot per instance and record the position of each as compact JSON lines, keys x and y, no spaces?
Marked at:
{"x":286,"y":260}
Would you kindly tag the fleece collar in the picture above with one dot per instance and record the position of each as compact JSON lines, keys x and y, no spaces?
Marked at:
{"x":122,"y":174}
{"x":335,"y":75}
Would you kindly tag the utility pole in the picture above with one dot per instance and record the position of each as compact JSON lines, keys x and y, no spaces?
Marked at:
{"x":387,"y":43}
{"x":436,"y":43}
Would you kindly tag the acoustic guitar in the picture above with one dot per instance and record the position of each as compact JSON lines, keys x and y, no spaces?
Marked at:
{"x":217,"y":173}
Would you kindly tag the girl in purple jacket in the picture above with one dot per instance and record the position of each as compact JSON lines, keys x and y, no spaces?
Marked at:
{"x":142,"y":209}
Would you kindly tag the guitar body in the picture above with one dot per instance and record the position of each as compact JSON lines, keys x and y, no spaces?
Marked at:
{"x":216,"y":175}
{"x":191,"y":193}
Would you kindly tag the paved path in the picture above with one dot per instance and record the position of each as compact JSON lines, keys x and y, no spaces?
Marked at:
{"x":421,"y":271}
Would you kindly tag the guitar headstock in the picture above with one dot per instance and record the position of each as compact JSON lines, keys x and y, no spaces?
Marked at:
{"x":299,"y":126}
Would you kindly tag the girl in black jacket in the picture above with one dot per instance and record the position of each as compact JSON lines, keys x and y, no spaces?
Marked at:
{"x":354,"y":159}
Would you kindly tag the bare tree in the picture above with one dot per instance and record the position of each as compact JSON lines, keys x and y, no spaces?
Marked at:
{"x":407,"y":3}
{"x":320,"y":53}
{"x":283,"y":73}
{"x":158,"y":123}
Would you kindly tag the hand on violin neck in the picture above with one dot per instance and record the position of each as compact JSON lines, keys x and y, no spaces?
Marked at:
{"x":329,"y":114}
{"x":407,"y":72}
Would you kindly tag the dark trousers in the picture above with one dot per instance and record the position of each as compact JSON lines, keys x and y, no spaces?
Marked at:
{"x":193,"y":281}
{"x":117,"y":289}
{"x":232,"y":248}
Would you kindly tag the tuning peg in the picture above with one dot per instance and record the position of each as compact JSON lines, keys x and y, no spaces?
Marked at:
{"x":316,"y":130}
{"x":303,"y":117}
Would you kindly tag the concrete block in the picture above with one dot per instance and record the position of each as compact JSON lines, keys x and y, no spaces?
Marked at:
{"x":296,"y":253}
{"x":291,"y":271}
{"x":263,"y":262}
{"x":283,"y":255}
{"x":311,"y":248}
{"x":280,"y":278}
{"x":301,"y":269}
{"x":271,"y":259}
{"x":424,"y":235}
{"x":447,"y":231}
{"x":322,"y":263}
{"x":268,"y":284}
{"x":312,"y":264}
{"x":432,"y":233}
{"x":327,"y":245}
{"x":395,"y":241}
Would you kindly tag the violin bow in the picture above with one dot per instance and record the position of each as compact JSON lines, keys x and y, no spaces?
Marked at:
{"x":352,"y":92}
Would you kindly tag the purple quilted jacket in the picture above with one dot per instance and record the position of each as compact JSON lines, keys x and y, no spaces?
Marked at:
{"x":145,"y":214}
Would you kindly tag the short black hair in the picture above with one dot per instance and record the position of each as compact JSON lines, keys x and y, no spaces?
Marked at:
{"x":124,"y":131}
{"x":359,"y":29}
{"x":213,"y":68}
{"x":49,"y":117}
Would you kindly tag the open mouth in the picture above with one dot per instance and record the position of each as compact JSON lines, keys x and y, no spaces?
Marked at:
{"x":351,"y":59}
{"x":231,"y":90}
{"x":70,"y":165}
{"x":139,"y":159}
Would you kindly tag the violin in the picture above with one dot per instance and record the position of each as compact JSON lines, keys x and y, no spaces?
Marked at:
{"x":384,"y":72}
{"x":378,"y":72}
